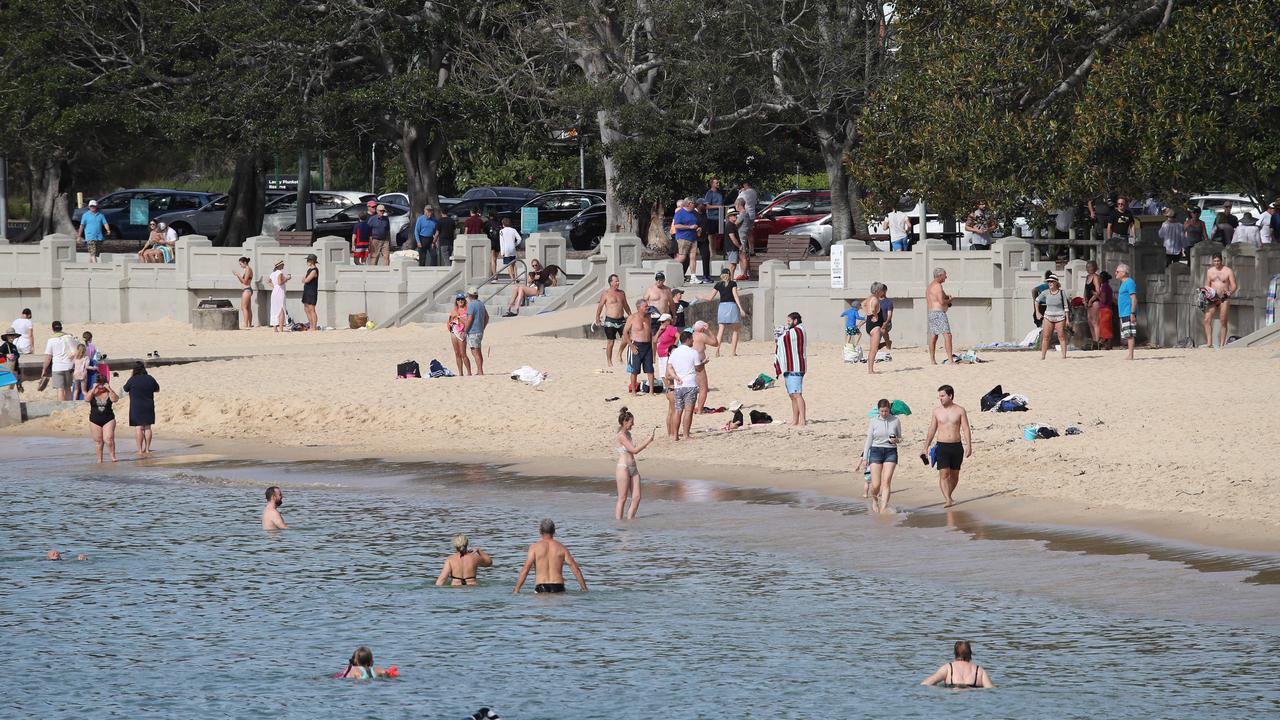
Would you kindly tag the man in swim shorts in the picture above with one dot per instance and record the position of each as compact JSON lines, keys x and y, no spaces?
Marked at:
{"x":640,"y":335}
{"x":549,"y":557}
{"x":271,"y":518}
{"x":1222,"y":280}
{"x":939,"y":324}
{"x":950,"y":425}
{"x":613,"y":306}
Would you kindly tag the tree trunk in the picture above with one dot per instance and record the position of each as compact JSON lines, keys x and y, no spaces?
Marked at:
{"x":303,"y":219}
{"x":421,"y":150}
{"x":49,"y":207}
{"x":617,"y":218}
{"x":844,"y":205}
{"x":245,"y":201}
{"x":658,"y":235}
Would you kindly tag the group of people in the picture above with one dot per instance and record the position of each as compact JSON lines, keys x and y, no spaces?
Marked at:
{"x":277,"y":282}
{"x":699,"y":223}
{"x":161,"y":241}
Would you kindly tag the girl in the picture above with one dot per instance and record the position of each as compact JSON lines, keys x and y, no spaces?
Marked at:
{"x":457,"y":326}
{"x":360,"y":666}
{"x":1054,"y":302}
{"x":627,"y":474}
{"x":79,"y":371}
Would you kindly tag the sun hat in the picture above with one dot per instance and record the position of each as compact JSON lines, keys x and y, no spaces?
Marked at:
{"x":279,"y":264}
{"x":10,"y":333}
{"x":1052,"y":278}
{"x":735,"y":406}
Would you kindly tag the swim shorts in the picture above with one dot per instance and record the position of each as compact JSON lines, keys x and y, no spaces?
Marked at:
{"x":949,"y":455}
{"x":613,"y":326}
{"x":642,"y":360}
{"x":686,"y":397}
{"x":794,"y":383}
{"x":549,"y":588}
{"x":1128,"y":329}
{"x":732,"y":257}
{"x":939,"y":324}
{"x":474,"y":340}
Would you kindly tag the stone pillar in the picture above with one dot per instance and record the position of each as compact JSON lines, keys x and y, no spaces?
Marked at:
{"x":331,"y":252}
{"x":477,"y":256}
{"x":55,"y":251}
{"x":548,"y":248}
{"x":621,"y":252}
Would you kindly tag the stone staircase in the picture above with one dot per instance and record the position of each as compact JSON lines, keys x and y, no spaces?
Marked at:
{"x":496,"y":297}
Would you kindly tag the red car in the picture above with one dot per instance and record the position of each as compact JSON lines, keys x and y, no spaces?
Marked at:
{"x":790,"y":208}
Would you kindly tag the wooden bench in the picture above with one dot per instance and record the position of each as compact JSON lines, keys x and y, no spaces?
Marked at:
{"x":295,"y":238}
{"x":787,"y":248}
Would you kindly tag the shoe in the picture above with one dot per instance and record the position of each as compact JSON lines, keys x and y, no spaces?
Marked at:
{"x":705,"y":280}
{"x":741,"y":278}
{"x":510,"y":314}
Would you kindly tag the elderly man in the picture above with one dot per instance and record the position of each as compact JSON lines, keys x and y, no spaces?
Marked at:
{"x":684,"y":226}
{"x":425,"y":235}
{"x":939,"y":324}
{"x":380,"y":237}
{"x":1127,"y":305}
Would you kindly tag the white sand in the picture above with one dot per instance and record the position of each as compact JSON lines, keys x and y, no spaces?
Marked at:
{"x":1187,"y":437}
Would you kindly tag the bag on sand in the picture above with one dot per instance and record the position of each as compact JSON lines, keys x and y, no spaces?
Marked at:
{"x":992,"y":398}
{"x":759,"y":417}
{"x":408,"y":369}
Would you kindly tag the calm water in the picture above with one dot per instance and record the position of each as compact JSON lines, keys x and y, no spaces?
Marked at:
{"x":717,"y":603}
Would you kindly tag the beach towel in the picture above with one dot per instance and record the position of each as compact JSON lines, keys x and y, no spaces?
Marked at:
{"x":528,"y":375}
{"x":438,"y":370}
{"x":853,"y":353}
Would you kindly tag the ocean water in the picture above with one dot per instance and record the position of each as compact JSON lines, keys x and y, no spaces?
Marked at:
{"x":716,"y":603}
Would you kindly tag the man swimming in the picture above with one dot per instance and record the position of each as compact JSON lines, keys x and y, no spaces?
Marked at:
{"x":271,"y":519}
{"x":550,"y":557}
{"x":950,"y":423}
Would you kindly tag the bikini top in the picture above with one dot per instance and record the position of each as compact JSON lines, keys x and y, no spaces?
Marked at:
{"x":977,"y":675}
{"x":463,"y":579}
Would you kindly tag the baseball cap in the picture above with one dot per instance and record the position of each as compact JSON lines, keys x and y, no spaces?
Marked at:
{"x":312,"y":258}
{"x":93,"y":203}
{"x":660,"y":275}
{"x":372,"y":204}
{"x":664,"y":317}
{"x":382,"y":208}
{"x":473,"y":290}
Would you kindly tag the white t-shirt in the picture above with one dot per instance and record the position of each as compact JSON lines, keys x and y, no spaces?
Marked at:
{"x":897,"y":221}
{"x":508,"y":239}
{"x":684,"y":363}
{"x":171,"y":236}
{"x":61,"y":348}
{"x":22,"y":326}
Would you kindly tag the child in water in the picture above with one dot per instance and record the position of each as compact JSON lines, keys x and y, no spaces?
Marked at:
{"x":360,"y":667}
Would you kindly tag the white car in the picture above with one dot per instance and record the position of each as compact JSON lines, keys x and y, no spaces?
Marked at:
{"x":283,"y":211}
{"x":1240,"y":204}
{"x":399,"y":198}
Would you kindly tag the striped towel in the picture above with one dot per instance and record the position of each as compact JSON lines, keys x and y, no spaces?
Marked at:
{"x":1271,"y":299}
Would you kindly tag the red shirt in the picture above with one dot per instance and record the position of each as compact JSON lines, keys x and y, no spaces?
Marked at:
{"x":473,"y":225}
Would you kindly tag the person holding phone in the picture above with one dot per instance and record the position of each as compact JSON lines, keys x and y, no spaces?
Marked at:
{"x":880,"y":452}
{"x":628,"y":473}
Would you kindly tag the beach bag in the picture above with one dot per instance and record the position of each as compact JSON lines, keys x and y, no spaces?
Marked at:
{"x":761,"y":382}
{"x":438,"y":370}
{"x":1012,"y":404}
{"x":759,"y":417}
{"x":408,"y":369}
{"x":992,"y":398}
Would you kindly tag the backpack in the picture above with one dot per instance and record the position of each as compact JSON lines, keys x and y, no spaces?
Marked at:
{"x":992,"y":398}
{"x":408,"y":369}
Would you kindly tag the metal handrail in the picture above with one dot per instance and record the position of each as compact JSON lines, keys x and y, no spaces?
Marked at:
{"x":509,"y":282}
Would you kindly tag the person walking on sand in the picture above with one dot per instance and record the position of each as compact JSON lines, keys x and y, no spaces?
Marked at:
{"x":639,"y":333}
{"x":59,"y":360}
{"x":611,"y":313}
{"x":278,"y":278}
{"x":245,"y":277}
{"x":939,"y":325}
{"x":729,"y":311}
{"x":460,"y":568}
{"x":1054,"y":316}
{"x":1127,"y":306}
{"x":682,"y":374}
{"x":873,"y":325}
{"x":271,"y":518}
{"x":880,"y":452}
{"x":102,"y":418}
{"x":1222,"y":281}
{"x":627,"y":474}
{"x":477,"y":321}
{"x":142,"y":389}
{"x":457,"y":326}
{"x":950,"y":426}
{"x":549,"y":557}
{"x":702,"y":339}
{"x":790,"y":361}
{"x":311,"y":292}
{"x":961,"y":672}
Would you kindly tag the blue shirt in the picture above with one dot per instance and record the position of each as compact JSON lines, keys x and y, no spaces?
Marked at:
{"x":92,"y":223}
{"x":684,"y":217}
{"x":851,"y":318}
{"x":379,"y":228}
{"x":425,"y":227}
{"x":477,"y":310}
{"x":1128,"y":289}
{"x":713,"y":197}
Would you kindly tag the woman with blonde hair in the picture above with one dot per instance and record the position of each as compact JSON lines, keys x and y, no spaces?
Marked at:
{"x":460,"y":568}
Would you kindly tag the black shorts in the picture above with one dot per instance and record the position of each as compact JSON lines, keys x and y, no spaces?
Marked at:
{"x":642,"y":360}
{"x":613,"y":327}
{"x":493,"y":244}
{"x":950,"y":455}
{"x":549,"y":588}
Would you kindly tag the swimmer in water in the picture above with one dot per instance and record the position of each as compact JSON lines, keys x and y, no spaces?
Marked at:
{"x":961,"y":672}
{"x":53,"y":555}
{"x":271,"y":518}
{"x":360,"y":666}
{"x":550,"y":557}
{"x":460,"y":569}
{"x":627,"y":473}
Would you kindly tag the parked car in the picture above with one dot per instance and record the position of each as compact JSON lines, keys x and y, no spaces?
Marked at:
{"x":115,"y":207}
{"x":402,"y":199}
{"x":284,"y":210}
{"x":481,"y":193}
{"x":205,"y":220}
{"x":1240,"y":204}
{"x":788,"y":209}
{"x":819,"y":232}
{"x":564,"y":204}
{"x":582,"y":231}
{"x":505,"y":207}
{"x":341,"y":222}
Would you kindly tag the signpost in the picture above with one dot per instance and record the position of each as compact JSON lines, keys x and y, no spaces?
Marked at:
{"x":139,"y":211}
{"x":837,"y":266}
{"x":528,"y":220}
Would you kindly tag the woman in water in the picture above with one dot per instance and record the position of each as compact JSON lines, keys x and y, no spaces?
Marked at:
{"x":278,"y":279}
{"x":627,"y":474}
{"x":102,"y":419}
{"x":460,"y":568}
{"x":457,"y":326}
{"x":961,"y":672}
{"x":360,"y":666}
{"x":245,"y":276}
{"x":142,"y":389}
{"x":880,"y":453}
{"x":1054,"y":302}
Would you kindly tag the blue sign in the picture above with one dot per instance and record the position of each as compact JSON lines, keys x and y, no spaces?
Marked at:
{"x":139,"y":211}
{"x":528,"y":220}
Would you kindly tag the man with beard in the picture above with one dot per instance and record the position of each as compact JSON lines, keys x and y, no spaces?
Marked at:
{"x":271,"y":519}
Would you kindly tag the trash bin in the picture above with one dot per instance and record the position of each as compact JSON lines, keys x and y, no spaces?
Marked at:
{"x":211,"y":314}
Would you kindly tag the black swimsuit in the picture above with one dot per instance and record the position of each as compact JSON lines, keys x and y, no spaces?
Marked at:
{"x":549,"y":588}
{"x":100,"y":413}
{"x":977,"y":674}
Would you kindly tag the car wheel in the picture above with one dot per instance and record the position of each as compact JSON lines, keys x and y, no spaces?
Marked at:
{"x":593,"y":242}
{"x":181,"y":228}
{"x":815,"y":248}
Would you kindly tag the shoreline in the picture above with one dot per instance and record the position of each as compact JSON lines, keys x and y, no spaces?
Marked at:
{"x":1018,"y":510}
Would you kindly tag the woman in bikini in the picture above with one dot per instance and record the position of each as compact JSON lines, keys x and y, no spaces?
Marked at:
{"x":961,"y":672}
{"x":460,"y":568}
{"x":245,"y":276}
{"x":457,"y":327}
{"x":627,"y":473}
{"x":102,"y":418}
{"x":874,"y":327}
{"x":1054,"y":315}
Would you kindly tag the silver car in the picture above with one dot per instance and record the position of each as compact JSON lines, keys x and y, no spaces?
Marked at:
{"x":205,"y":220}
{"x":819,"y":232}
{"x":281,"y":212}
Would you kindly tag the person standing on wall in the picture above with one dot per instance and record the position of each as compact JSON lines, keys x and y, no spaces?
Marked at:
{"x":746,"y":204}
{"x":446,"y":232}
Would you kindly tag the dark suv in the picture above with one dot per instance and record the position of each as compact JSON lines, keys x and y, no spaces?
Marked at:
{"x":116,"y":208}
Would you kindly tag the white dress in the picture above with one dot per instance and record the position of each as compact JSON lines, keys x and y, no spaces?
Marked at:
{"x":277,"y":297}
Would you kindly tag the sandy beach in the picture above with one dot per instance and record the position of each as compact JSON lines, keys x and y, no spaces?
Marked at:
{"x":1169,"y":446}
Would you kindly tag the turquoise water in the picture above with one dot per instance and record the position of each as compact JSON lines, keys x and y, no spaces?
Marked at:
{"x":717,"y":603}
